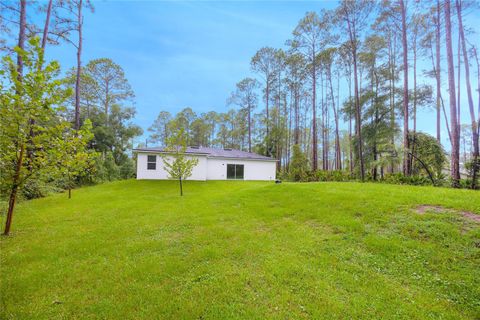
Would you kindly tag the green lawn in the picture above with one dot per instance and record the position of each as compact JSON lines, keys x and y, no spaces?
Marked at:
{"x":242,"y":250}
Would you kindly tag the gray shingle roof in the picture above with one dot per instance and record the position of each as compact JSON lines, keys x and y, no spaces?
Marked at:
{"x":213,"y":152}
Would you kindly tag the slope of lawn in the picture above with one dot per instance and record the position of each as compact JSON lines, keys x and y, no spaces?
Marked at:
{"x":242,"y":250}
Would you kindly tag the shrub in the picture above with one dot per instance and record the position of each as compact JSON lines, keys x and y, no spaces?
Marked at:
{"x":298,"y":165}
{"x":127,"y":169}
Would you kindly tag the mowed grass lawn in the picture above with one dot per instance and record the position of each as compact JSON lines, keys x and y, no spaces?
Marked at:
{"x":242,"y":250}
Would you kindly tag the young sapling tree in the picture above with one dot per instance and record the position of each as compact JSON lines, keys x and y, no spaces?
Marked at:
{"x":176,"y":163}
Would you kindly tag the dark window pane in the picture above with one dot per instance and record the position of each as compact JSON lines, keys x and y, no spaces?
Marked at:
{"x":239,"y":171}
{"x":151,"y":162}
{"x":151,"y":166}
{"x":230,"y":171}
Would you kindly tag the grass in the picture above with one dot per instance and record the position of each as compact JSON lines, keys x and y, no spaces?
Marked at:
{"x":242,"y":250}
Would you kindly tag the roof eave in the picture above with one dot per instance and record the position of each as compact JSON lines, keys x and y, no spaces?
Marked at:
{"x":240,"y":158}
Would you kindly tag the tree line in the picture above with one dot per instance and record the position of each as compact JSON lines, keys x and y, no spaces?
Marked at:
{"x":347,"y":88}
{"x":58,"y":129}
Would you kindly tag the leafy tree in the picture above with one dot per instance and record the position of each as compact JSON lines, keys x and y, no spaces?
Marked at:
{"x":429,"y":154}
{"x":263,"y":63}
{"x":353,"y":14}
{"x":73,"y":158}
{"x":298,"y":164}
{"x":107,"y":100}
{"x":175,"y":160}
{"x":183,"y":120}
{"x":295,"y":81}
{"x":113,"y":87}
{"x":307,"y":40}
{"x":454,"y":125}
{"x":159,"y":130}
{"x":29,"y":105}
{"x":246,"y":98}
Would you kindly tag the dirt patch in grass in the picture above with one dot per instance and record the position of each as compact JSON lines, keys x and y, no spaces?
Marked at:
{"x":422,"y":209}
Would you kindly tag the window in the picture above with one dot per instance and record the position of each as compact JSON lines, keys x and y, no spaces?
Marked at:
{"x":151,"y":162}
{"x":235,"y":171}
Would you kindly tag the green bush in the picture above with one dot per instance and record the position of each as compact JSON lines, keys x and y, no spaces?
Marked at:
{"x":127,"y":169}
{"x":34,"y":189}
{"x":399,"y":178}
{"x":298,"y":165}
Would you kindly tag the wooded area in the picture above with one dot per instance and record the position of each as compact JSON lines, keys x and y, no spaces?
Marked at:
{"x":58,"y":130}
{"x":347,"y":89}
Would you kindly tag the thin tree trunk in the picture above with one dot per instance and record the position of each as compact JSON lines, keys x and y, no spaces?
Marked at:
{"x":13,"y":191}
{"x":455,"y":161}
{"x":477,"y":162}
{"x":358,"y":116}
{"x":181,"y":186}
{"x":267,"y":122}
{"x":47,"y":24}
{"x":437,"y":73}
{"x":475,"y":139}
{"x":350,"y":125}
{"x":249,"y":130}
{"x":414,"y":87}
{"x":322,"y":103}
{"x":21,"y":37}
{"x":297,"y":116}
{"x":414,"y":138}
{"x":338,"y":160}
{"x":459,"y":64}
{"x":106,"y":106}
{"x":391,"y":61}
{"x":406,"y":157}
{"x":79,"y":65}
{"x":375,"y":149}
{"x":478,"y":87}
{"x":314,"y":113}
{"x":16,"y":176}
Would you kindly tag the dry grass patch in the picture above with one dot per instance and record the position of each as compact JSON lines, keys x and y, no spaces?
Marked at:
{"x":423,"y":209}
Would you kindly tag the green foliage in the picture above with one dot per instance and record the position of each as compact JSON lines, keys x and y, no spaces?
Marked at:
{"x":298,"y":167}
{"x":399,"y":178}
{"x":128,"y":169}
{"x":107,"y":168}
{"x":324,"y":176}
{"x":470,"y":167}
{"x":107,"y":101}
{"x":31,"y":132}
{"x":429,"y":151}
{"x":33,"y":189}
{"x":74,"y":160}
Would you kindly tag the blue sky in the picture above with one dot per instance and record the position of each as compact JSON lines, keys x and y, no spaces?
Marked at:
{"x":177,"y":54}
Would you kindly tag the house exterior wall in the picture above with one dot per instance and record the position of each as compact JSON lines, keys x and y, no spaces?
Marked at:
{"x":253,"y":169}
{"x":208,"y":168}
{"x":199,"y":172}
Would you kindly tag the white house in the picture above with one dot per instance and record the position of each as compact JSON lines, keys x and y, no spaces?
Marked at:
{"x":213,"y":164}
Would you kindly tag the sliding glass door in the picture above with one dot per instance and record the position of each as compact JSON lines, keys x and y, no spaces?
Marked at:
{"x":235,"y":171}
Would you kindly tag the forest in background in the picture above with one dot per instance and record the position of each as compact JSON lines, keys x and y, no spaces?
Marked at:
{"x":58,"y":128}
{"x":98,"y":89}
{"x":347,"y":89}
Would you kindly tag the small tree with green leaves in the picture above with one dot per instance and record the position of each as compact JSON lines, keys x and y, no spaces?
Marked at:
{"x":30,"y":128}
{"x":175,"y":160}
{"x":74,"y":159}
